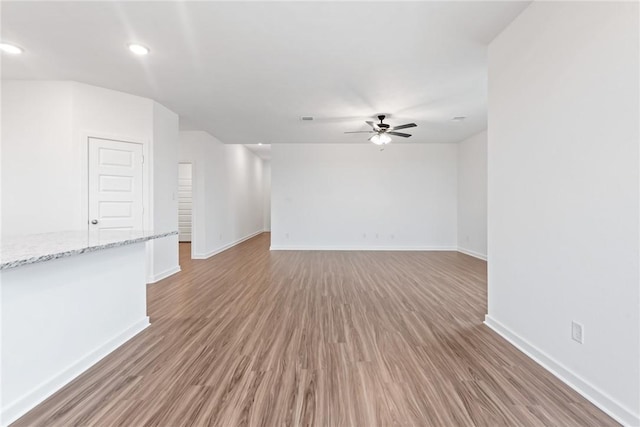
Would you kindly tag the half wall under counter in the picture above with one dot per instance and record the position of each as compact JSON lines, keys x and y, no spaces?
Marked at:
{"x":68,"y":299}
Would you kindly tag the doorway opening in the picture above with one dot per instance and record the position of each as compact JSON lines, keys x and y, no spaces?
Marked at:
{"x":185,"y":203}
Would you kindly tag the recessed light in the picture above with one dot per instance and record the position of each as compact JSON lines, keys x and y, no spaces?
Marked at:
{"x":9,"y":48}
{"x":259,"y":143}
{"x":138,"y":49}
{"x":459,"y":118}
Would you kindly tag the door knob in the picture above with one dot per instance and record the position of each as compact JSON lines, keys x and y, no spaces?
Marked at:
{"x":94,"y":221}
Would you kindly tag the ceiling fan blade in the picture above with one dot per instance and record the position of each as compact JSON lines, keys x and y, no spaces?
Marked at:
{"x":373,"y":125}
{"x":362,"y":131}
{"x":404,"y":135}
{"x":408,"y":125}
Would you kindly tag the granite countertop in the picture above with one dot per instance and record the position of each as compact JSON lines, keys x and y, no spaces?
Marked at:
{"x":30,"y":249}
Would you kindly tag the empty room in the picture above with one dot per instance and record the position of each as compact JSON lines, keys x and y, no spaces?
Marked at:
{"x":320,"y":213}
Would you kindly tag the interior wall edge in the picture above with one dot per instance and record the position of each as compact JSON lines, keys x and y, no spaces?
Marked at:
{"x":593,"y":394}
{"x":163,"y":275}
{"x":225,"y":247}
{"x":472,"y":253}
{"x":18,"y":408}
{"x":364,"y":248}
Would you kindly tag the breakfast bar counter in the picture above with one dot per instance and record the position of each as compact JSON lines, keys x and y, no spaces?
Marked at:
{"x":68,"y":299}
{"x":22,"y":250}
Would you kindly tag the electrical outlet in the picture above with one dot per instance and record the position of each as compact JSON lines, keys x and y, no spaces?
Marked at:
{"x":220,"y":236}
{"x":286,"y":235}
{"x":364,"y":235}
{"x":577,"y":332}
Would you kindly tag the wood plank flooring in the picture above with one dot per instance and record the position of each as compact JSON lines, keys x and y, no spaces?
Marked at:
{"x":253,"y":337}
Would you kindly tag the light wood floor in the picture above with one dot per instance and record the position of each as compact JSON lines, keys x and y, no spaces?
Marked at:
{"x":252,"y":337}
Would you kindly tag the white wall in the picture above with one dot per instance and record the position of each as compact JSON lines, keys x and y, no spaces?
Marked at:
{"x":45,"y":125}
{"x":266,"y":196}
{"x":165,"y":191}
{"x":472,"y":195}
{"x":37,"y":136}
{"x":563,"y":194}
{"x":354,"y":196}
{"x":227,"y":192}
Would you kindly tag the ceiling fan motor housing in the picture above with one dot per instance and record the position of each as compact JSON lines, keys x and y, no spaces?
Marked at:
{"x":381,"y":125}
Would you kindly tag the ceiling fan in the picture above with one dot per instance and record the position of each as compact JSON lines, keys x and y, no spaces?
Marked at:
{"x":382,"y":131}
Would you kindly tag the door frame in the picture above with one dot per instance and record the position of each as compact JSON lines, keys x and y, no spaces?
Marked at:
{"x":147,"y":183}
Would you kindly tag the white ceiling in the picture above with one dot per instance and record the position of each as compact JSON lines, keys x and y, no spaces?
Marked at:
{"x":247,"y":71}
{"x":263,"y":151}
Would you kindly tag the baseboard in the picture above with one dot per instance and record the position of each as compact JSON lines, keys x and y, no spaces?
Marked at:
{"x":363,"y":248}
{"x":594,"y":395}
{"x":164,"y":274}
{"x":225,"y":247}
{"x":19,"y":407}
{"x":472,"y":253}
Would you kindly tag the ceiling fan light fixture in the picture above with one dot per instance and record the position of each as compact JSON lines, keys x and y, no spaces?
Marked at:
{"x":382,"y":131}
{"x":381,"y":139}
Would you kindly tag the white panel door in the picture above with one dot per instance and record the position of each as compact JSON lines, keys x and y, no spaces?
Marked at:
{"x":185,"y":201}
{"x":115,"y":185}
